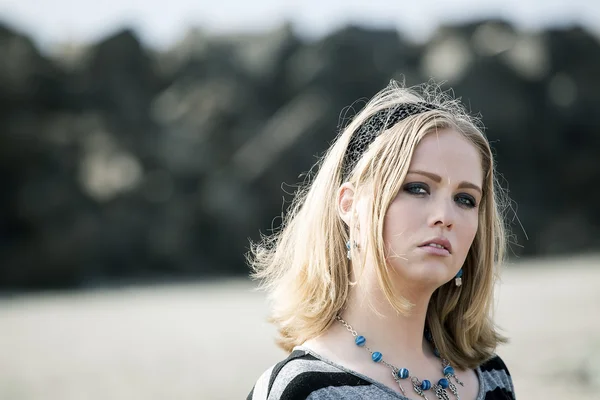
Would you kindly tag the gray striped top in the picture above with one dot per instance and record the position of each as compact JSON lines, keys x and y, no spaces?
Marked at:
{"x":306,"y":375}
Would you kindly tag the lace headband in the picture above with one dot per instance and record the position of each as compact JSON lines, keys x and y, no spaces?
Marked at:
{"x":377,"y":123}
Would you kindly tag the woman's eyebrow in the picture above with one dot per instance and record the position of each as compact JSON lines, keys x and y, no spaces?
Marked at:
{"x":438,"y":179}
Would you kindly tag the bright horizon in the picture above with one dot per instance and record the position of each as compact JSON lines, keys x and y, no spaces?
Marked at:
{"x":159,"y":24}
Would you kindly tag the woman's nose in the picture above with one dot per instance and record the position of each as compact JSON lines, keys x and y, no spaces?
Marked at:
{"x":442,"y":213}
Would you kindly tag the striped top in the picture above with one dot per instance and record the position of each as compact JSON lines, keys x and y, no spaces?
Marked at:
{"x":306,"y":375}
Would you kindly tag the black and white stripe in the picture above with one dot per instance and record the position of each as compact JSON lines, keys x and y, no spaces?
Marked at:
{"x":299,"y":375}
{"x":497,"y":380}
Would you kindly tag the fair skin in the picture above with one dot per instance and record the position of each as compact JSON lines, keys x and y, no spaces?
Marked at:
{"x":438,"y":199}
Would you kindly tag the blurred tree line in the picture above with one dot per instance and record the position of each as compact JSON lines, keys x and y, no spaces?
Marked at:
{"x":120,"y":162}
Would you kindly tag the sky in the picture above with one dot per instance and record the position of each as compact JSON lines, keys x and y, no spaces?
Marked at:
{"x":159,"y":24}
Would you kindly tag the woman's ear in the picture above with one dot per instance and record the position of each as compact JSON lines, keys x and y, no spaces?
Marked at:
{"x":345,"y":201}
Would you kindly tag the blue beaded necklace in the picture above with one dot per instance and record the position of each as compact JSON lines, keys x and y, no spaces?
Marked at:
{"x":400,"y":374}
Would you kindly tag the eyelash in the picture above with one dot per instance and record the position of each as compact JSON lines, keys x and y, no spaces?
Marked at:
{"x":464,"y":200}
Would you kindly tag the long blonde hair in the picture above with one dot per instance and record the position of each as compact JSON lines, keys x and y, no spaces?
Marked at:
{"x":304,"y":265}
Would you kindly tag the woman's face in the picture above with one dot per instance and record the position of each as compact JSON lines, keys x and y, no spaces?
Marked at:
{"x":430,"y":225}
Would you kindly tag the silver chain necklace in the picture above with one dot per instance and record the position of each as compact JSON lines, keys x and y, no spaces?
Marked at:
{"x":399,"y":374}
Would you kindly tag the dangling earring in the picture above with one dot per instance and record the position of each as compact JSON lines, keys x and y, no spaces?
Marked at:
{"x":349,"y":247}
{"x":458,"y":278}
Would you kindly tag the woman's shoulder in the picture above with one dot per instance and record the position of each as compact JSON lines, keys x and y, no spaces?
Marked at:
{"x":496,"y":379}
{"x":300,"y":375}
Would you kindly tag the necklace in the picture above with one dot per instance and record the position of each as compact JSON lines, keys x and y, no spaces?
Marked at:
{"x":399,"y":374}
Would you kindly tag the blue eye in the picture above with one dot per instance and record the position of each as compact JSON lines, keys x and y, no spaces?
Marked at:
{"x":416,"y":188}
{"x":466,"y":201}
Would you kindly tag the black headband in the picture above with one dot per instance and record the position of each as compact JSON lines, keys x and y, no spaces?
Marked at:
{"x":374,"y":125}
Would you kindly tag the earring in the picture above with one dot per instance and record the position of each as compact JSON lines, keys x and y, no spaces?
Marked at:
{"x":458,"y":278}
{"x":349,"y":247}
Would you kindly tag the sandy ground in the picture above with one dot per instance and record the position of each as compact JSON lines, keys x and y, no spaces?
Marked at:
{"x":209,"y":341}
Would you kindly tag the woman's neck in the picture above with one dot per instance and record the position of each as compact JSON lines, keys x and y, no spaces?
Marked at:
{"x":395,"y":335}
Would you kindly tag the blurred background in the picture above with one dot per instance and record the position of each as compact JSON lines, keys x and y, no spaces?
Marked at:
{"x":142,"y":144}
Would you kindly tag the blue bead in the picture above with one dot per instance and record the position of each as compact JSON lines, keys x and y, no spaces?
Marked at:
{"x":436,"y":352}
{"x":448,"y":370}
{"x":376,"y":356}
{"x":425,"y":385}
{"x":360,"y":340}
{"x":443,"y":383}
{"x":403,"y":373}
{"x":459,"y":274}
{"x":428,"y":335}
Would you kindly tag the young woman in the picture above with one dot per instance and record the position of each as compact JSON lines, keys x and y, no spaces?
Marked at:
{"x":381,"y":278}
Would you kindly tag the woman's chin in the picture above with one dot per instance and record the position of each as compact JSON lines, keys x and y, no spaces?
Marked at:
{"x":431,"y":274}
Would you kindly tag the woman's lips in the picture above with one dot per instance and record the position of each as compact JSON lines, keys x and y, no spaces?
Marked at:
{"x":435,"y":250}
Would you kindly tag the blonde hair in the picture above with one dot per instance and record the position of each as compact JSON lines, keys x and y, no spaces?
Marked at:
{"x":304,"y":265}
